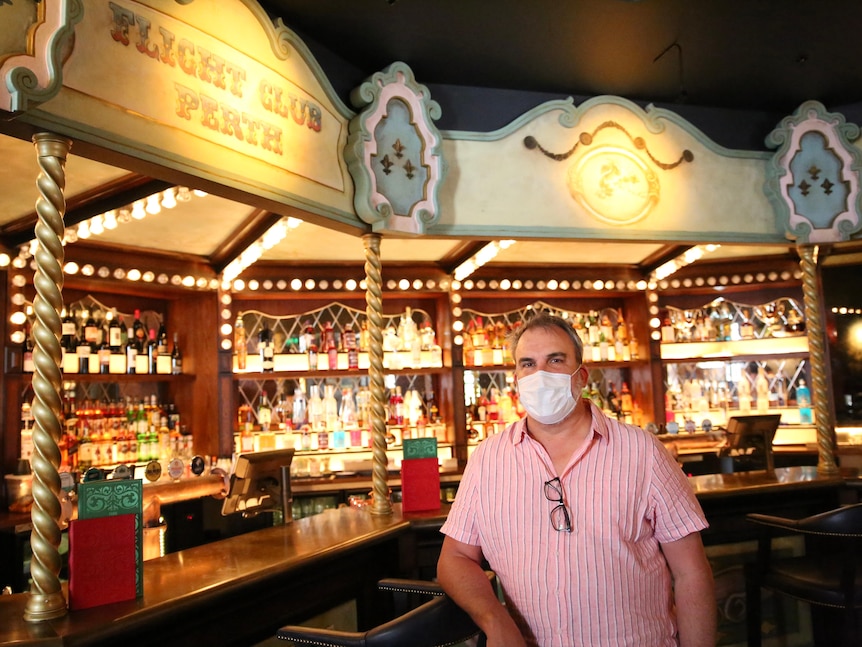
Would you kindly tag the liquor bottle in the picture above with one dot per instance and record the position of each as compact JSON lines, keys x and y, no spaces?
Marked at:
{"x":131,"y":352}
{"x":634,"y":351}
{"x":350,"y":346}
{"x":331,"y":348}
{"x":264,"y":412}
{"x":176,"y":357}
{"x":761,"y":386}
{"x":312,"y":357}
{"x":479,"y":343}
{"x":240,"y":342}
{"x":152,"y":352}
{"x":245,"y":426}
{"x":396,"y":407}
{"x":668,"y":336}
{"x":626,"y":402}
{"x":91,"y":330}
{"x":115,"y":333}
{"x":280,"y":414}
{"x":596,"y":396}
{"x":307,"y":339}
{"x":364,"y":337}
{"x":315,"y":410}
{"x":330,"y":408}
{"x":348,"y":409}
{"x":299,"y":408}
{"x":593,"y":327}
{"x":613,"y":400}
{"x":27,"y":352}
{"x":139,"y":331}
{"x":803,"y":401}
{"x":327,"y":343}
{"x":266,"y":349}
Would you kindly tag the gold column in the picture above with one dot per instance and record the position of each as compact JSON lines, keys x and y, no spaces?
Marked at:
{"x":374,"y":313}
{"x":46,"y":600}
{"x":817,"y":353}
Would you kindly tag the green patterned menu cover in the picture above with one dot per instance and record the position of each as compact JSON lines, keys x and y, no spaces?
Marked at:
{"x":420,"y":448}
{"x":108,"y":498}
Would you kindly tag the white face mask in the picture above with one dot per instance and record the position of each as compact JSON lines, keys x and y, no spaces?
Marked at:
{"x":546,"y":396}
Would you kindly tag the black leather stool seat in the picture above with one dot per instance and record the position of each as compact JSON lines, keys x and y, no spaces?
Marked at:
{"x":814,"y":580}
{"x":828,"y":575}
{"x":439,"y":622}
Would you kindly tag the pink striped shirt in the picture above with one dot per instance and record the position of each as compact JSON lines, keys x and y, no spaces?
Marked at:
{"x":606,"y":582}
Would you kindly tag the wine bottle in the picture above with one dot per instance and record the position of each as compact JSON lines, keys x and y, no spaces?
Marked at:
{"x":83,"y":350}
{"x":69,"y":329}
{"x":131,"y":352}
{"x":152,"y":353}
{"x":350,"y":347}
{"x":266,"y":350}
{"x":115,"y":333}
{"x":104,"y":355}
{"x":162,"y":339}
{"x":91,"y":330}
{"x":176,"y":357}
{"x":139,"y":331}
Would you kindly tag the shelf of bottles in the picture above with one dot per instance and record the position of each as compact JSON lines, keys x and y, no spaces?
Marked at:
{"x":332,"y":338}
{"x":727,"y":358}
{"x":489,"y":394}
{"x":302,"y":383}
{"x":606,"y":337}
{"x":100,"y":340}
{"x":113,"y":406}
{"x":725,"y":328}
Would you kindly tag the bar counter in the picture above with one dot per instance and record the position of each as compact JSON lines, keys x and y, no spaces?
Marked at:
{"x":240,"y":590}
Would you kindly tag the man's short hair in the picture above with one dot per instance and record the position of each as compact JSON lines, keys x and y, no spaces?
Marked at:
{"x":546,"y":321}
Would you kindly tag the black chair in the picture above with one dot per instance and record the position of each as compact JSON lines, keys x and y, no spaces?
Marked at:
{"x":828,"y":575}
{"x":438,"y":622}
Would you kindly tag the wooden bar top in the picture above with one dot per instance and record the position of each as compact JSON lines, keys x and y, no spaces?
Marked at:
{"x":181,"y":584}
{"x":713,"y":486}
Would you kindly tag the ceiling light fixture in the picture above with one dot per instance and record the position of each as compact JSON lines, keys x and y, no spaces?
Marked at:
{"x":250,"y":255}
{"x":481,"y":257}
{"x":169,"y":200}
{"x":686,"y":258}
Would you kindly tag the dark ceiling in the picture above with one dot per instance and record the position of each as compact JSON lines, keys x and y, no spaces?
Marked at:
{"x":757,"y":55}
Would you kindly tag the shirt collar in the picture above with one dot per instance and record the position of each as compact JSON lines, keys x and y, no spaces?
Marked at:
{"x":599,"y":425}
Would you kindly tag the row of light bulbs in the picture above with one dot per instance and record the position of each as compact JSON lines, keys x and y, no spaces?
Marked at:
{"x":138,"y":210}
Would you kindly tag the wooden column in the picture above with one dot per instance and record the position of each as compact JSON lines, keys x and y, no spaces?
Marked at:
{"x":374,"y":313}
{"x":817,"y":352}
{"x":46,"y":600}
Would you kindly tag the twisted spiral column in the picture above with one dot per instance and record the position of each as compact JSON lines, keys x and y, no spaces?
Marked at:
{"x":374,"y":314}
{"x":817,"y":353}
{"x":46,"y":600}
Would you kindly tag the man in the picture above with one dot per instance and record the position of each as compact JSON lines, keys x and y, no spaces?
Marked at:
{"x":589,"y":524}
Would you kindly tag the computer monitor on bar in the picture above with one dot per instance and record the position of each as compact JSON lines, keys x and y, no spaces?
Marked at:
{"x":749,"y":441}
{"x":261,"y":483}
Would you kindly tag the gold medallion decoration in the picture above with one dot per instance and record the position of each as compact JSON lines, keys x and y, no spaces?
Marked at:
{"x":614,"y":185}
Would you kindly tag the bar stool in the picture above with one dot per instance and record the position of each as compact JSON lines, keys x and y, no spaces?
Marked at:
{"x":439,"y":622}
{"x":829,"y":575}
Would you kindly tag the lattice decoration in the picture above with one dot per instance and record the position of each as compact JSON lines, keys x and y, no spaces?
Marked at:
{"x":290,"y":327}
{"x":772,"y":319}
